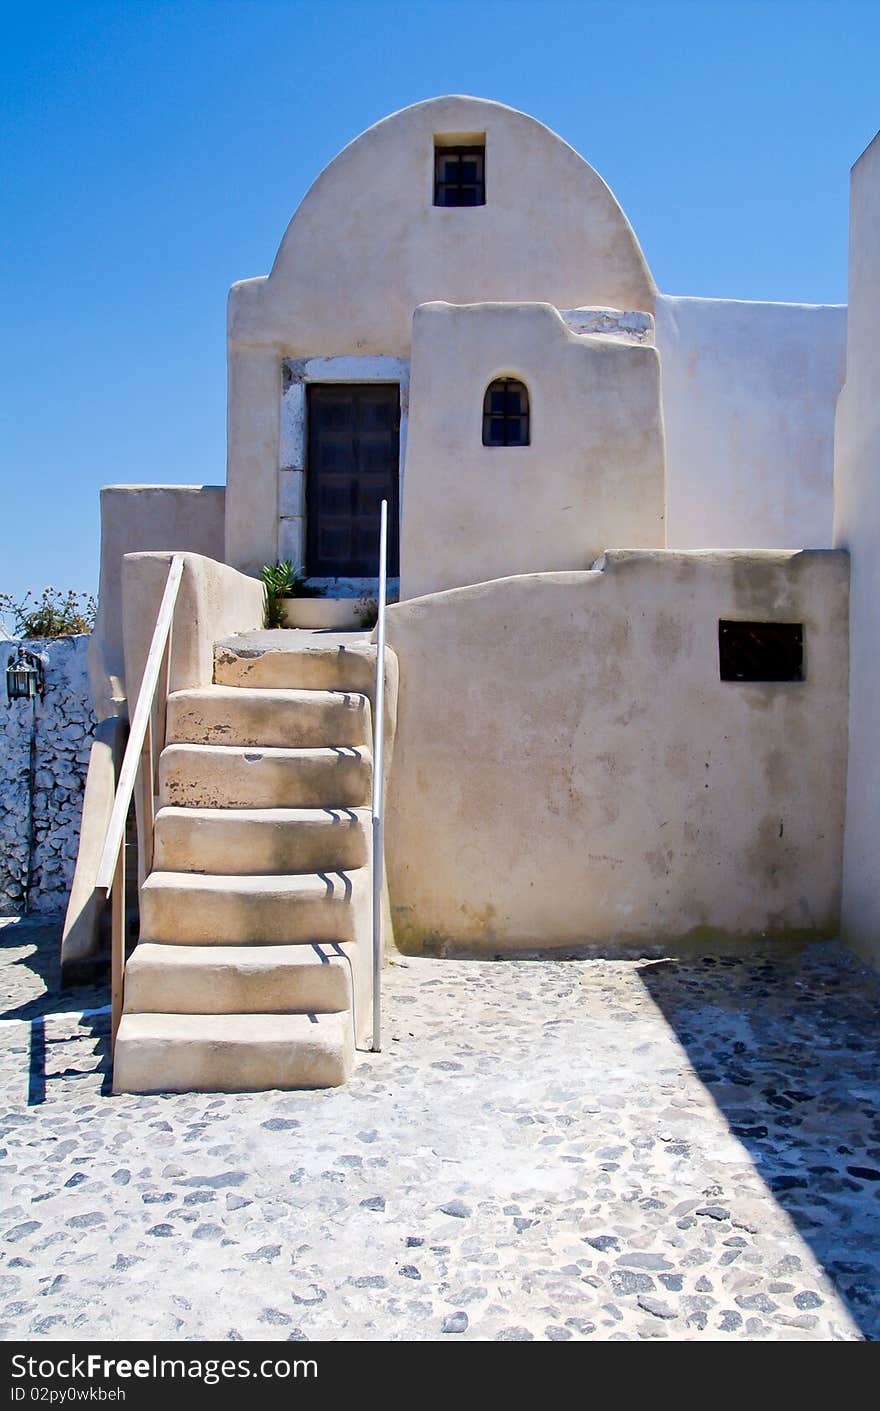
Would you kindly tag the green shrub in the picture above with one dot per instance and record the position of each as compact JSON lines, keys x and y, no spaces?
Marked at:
{"x":281,"y":580}
{"x":367,"y":613}
{"x":52,"y":614}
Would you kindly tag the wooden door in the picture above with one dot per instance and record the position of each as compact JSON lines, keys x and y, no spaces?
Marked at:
{"x":353,"y":464}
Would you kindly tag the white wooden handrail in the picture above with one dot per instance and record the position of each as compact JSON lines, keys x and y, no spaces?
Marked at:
{"x":378,"y":781}
{"x":138,"y":765}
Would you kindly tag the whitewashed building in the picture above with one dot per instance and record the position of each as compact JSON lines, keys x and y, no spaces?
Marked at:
{"x":620,"y":709}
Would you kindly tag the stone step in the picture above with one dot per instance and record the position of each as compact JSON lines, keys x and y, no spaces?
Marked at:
{"x":174,"y":1053}
{"x":300,"y":660}
{"x":261,"y":840}
{"x":297,"y":979}
{"x":234,"y":715}
{"x":189,"y":908}
{"x":236,"y":776}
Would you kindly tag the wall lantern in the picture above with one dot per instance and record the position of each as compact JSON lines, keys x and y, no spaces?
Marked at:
{"x":24,"y":676}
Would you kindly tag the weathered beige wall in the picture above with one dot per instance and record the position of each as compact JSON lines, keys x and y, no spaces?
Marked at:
{"x":591,"y":479}
{"x":214,"y":601}
{"x":570,"y":770}
{"x":367,"y":246}
{"x":253,"y":426}
{"x":857,"y":528}
{"x":81,"y":936}
{"x":136,"y":518}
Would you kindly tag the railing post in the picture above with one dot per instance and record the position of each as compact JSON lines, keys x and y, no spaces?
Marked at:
{"x":138,"y":770}
{"x":378,"y":782}
{"x":117,"y":948}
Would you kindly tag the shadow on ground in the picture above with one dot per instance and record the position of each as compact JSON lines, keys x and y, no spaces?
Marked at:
{"x":788,"y":1050}
{"x":30,"y":951}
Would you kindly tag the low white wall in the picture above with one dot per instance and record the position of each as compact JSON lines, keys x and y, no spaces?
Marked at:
{"x":749,"y":394}
{"x":857,"y":528}
{"x":569,"y":769}
{"x":134,"y":519}
{"x":64,"y":728}
{"x":592,"y":477}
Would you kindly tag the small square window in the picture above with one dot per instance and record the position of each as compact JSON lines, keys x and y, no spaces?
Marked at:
{"x":761,"y":651}
{"x":459,"y":176}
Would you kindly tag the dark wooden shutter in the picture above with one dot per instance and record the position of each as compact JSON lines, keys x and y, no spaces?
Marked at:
{"x":353,"y":464}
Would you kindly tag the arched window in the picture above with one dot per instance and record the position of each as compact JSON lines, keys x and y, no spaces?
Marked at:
{"x":506,"y":413}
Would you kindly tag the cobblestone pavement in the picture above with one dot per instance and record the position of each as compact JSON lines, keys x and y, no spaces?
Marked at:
{"x":552,"y":1150}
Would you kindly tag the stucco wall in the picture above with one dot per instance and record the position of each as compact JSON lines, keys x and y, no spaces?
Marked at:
{"x":749,"y":393}
{"x":857,"y":527}
{"x":591,"y":478}
{"x":134,"y":519}
{"x":44,"y":819}
{"x":214,"y":601}
{"x":367,"y":246}
{"x":569,"y":769}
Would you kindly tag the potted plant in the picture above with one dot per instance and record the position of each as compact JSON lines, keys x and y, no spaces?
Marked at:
{"x":291,"y":601}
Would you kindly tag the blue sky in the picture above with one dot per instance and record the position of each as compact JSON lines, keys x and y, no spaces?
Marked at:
{"x":153,"y":152}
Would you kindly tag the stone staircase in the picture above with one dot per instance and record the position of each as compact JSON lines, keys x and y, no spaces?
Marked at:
{"x":253,"y":968}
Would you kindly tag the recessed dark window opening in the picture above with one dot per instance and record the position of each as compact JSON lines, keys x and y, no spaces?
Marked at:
{"x":353,"y":441}
{"x":761,"y":651}
{"x":459,"y":176}
{"x":506,"y":413}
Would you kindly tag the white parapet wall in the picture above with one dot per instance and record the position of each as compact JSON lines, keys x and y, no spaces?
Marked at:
{"x":570,"y":770}
{"x":591,"y":477}
{"x":40,"y":807}
{"x":857,"y":528}
{"x":135,"y":519}
{"x":749,"y":396}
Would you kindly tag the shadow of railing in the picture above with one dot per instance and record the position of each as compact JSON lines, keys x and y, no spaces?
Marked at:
{"x":787,"y":1046}
{"x":59,"y":1046}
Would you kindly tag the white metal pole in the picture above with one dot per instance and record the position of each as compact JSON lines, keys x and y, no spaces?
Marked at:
{"x":378,"y":781}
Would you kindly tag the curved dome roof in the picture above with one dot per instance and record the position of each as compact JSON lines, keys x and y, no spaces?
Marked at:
{"x":367,"y":245}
